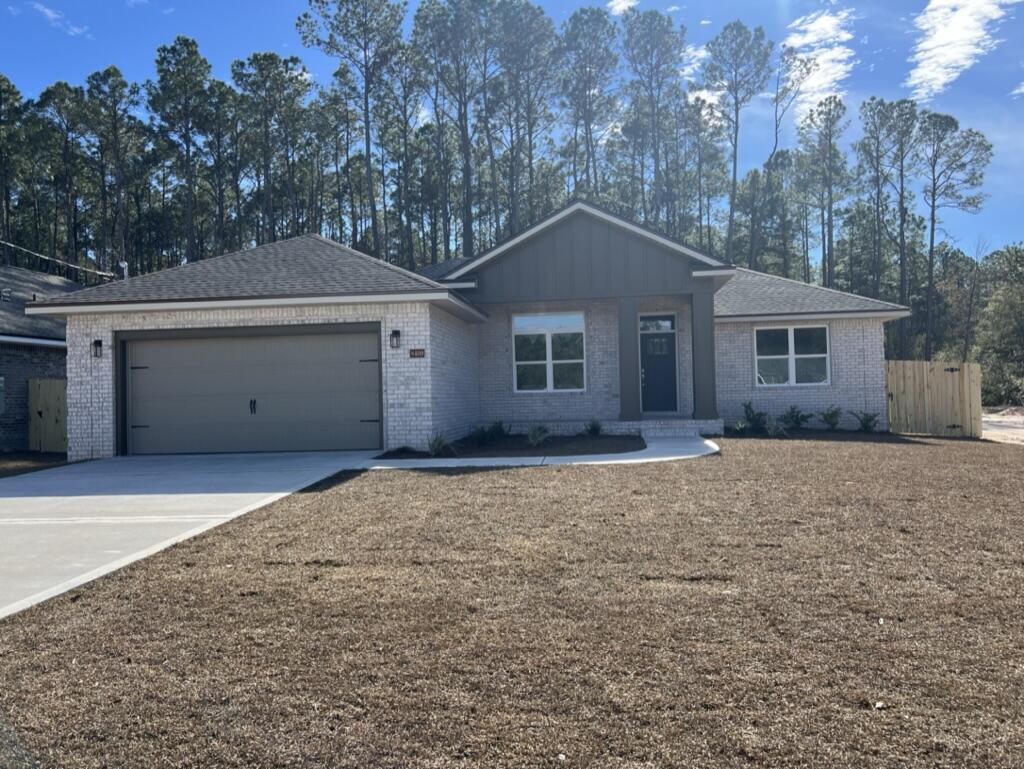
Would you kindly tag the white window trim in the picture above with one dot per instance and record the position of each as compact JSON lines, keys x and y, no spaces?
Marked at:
{"x":548,"y":363}
{"x":792,"y":357}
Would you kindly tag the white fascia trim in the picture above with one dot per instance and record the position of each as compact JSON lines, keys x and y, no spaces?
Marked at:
{"x":33,"y":341}
{"x":460,"y":284}
{"x":882,"y":315}
{"x":474,"y":264}
{"x":713,"y":273}
{"x":230,"y":304}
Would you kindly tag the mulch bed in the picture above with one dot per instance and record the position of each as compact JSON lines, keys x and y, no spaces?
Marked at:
{"x":16,"y":463}
{"x":850,"y":602}
{"x":519,"y":446}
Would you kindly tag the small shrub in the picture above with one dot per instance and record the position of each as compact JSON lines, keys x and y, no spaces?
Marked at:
{"x":793,"y":418}
{"x":742,"y":427}
{"x":593,"y":428}
{"x":775,"y":428}
{"x":496,"y":431}
{"x":867,"y":420}
{"x":536,"y":435}
{"x":438,"y":444}
{"x":830,"y":417}
{"x":757,"y":421}
{"x":479,"y":437}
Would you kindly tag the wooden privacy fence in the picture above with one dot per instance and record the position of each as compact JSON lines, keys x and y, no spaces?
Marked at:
{"x":47,"y":415}
{"x":934,"y":397}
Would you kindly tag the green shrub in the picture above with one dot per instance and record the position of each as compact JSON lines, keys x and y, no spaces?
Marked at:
{"x":496,"y":431}
{"x":438,"y":444}
{"x":593,"y":428}
{"x":830,"y":417}
{"x":536,"y":435}
{"x":742,"y":427}
{"x":757,"y":421}
{"x":775,"y":428}
{"x":479,"y":437}
{"x":868,"y":420}
{"x":793,"y":418}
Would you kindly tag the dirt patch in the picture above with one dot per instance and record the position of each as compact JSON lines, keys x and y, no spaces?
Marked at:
{"x":846,"y":602}
{"x":519,"y":446}
{"x":20,"y":462}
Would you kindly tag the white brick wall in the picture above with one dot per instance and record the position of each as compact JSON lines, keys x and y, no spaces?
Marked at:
{"x":857,"y":359}
{"x":454,"y":374}
{"x":407,"y":381}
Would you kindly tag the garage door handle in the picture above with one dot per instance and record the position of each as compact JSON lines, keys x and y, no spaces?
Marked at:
{"x":252,"y":405}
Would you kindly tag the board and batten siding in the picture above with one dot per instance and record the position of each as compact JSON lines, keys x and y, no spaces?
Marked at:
{"x":856,"y":358}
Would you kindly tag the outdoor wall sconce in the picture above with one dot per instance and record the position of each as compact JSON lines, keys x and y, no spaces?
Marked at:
{"x":97,"y":348}
{"x":396,"y":339}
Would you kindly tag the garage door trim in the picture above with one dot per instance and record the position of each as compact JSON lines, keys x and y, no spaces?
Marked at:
{"x":122,"y":338}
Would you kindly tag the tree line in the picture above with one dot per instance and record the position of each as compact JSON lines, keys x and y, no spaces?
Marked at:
{"x":480,"y":121}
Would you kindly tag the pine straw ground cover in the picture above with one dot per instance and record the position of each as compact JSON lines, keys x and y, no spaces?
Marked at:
{"x":837,"y":602}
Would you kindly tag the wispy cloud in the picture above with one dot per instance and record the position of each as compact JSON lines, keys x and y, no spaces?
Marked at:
{"x":705,"y":22}
{"x":619,"y":7}
{"x":954,"y":34}
{"x":58,"y":20}
{"x":693,"y":60}
{"x":823,"y":36}
{"x":673,"y":9}
{"x":1018,"y":91}
{"x":135,"y":3}
{"x":13,"y":10}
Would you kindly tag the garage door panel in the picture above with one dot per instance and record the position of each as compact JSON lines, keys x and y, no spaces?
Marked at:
{"x":311,"y":392}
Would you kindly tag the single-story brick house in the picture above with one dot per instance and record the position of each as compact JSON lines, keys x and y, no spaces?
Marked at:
{"x":31,"y":347}
{"x":306,"y":344}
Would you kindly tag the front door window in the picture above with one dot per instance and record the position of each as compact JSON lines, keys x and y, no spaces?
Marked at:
{"x":658,"y":363}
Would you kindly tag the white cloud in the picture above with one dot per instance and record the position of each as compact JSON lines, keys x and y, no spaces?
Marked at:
{"x":693,"y":60}
{"x":60,"y":21}
{"x":1018,"y":91}
{"x":167,"y":11}
{"x":619,"y":7}
{"x":823,"y":36}
{"x":135,"y":3}
{"x":13,"y":10}
{"x":954,"y":34}
{"x":673,"y":9}
{"x":705,"y":22}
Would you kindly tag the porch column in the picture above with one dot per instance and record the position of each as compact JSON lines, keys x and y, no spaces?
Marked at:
{"x":629,"y":359}
{"x":705,"y":403}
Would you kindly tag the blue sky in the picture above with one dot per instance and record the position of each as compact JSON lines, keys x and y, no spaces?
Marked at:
{"x":965,"y":57}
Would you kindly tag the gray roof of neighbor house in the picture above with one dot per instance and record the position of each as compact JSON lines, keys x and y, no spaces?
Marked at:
{"x":304,"y":266}
{"x":750,"y":293}
{"x":18,"y":287}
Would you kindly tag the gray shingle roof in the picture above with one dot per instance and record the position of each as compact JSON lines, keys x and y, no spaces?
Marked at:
{"x":308,"y":265}
{"x":19,"y":287}
{"x":757,"y":293}
{"x":439,"y":270}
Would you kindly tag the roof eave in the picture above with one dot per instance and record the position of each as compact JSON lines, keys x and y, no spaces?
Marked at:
{"x":882,"y":315}
{"x":33,"y":341}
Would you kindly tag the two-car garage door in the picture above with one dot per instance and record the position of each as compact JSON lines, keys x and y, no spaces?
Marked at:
{"x":293,"y":392}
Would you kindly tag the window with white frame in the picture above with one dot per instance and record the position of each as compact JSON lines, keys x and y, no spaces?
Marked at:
{"x":548,"y":352}
{"x":794,"y":355}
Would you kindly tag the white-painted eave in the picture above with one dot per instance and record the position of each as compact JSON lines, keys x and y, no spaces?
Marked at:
{"x":445,"y":299}
{"x":882,"y":315}
{"x":33,"y":341}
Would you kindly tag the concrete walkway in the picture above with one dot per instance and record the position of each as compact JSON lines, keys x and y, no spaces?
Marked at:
{"x":62,"y":527}
{"x":658,"y":450}
{"x":1005,"y":427}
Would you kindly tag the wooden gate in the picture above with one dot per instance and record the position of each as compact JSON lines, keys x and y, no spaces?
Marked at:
{"x":47,"y":415}
{"x":934,"y":397}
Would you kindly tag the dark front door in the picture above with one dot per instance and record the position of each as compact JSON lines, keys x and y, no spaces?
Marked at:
{"x":658,"y":363}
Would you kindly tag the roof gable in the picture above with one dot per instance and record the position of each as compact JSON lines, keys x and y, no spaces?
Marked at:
{"x":304,"y":266}
{"x":573,"y":209}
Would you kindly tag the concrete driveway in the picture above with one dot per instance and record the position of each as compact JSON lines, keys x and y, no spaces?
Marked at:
{"x":1006,"y":426}
{"x":62,"y":527}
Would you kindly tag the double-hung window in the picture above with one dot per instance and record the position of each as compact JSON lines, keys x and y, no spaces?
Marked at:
{"x":548,"y":352}
{"x":797,"y":355}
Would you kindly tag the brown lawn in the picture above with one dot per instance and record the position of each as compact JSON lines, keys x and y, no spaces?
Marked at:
{"x":837,"y":602}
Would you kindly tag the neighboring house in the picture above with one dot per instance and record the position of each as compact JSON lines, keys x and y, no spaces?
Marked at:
{"x":307,"y":344}
{"x":31,"y":347}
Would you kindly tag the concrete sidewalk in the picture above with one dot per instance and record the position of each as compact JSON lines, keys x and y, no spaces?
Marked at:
{"x":62,"y":527}
{"x":658,"y":450}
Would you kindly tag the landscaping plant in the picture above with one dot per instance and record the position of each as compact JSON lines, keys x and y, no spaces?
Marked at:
{"x":794,"y":419}
{"x":536,"y":435}
{"x":830,"y":417}
{"x":593,"y":428}
{"x":867,"y":420}
{"x":757,"y":421}
{"x":438,"y":444}
{"x":496,"y":431}
{"x":774,"y":428}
